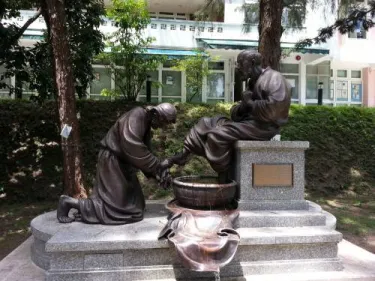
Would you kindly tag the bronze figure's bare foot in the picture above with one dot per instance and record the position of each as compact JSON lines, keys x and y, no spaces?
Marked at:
{"x":65,"y":204}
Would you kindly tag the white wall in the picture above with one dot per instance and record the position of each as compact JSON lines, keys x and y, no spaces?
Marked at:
{"x":232,"y":12}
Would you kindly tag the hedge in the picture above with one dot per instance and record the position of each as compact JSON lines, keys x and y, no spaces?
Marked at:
{"x":341,"y":154}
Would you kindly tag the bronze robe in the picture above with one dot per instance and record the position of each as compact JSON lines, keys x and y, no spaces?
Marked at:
{"x":213,"y":138}
{"x":117,"y":197}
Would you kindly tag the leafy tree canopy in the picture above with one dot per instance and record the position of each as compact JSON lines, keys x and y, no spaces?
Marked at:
{"x":34,"y":66}
{"x":127,"y":58}
{"x":343,"y":25}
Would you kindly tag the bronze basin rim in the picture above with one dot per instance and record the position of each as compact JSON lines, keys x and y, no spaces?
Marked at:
{"x":180,"y":183}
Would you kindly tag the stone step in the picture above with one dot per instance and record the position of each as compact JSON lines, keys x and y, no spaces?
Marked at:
{"x":288,"y":235}
{"x":132,"y":252}
{"x":280,"y":219}
{"x":175,"y":272}
{"x":93,"y":238}
{"x":103,"y":259}
{"x":358,"y":266}
{"x":93,"y":246}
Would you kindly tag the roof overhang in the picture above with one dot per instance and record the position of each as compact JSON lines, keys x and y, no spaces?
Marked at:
{"x":230,"y":44}
{"x":170,"y":53}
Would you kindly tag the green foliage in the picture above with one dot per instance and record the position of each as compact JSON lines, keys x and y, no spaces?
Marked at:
{"x":212,"y":10}
{"x":12,"y":56}
{"x":196,"y":69}
{"x":294,"y":12}
{"x":128,"y":59}
{"x":110,"y":93}
{"x":342,"y":141}
{"x":34,"y":66}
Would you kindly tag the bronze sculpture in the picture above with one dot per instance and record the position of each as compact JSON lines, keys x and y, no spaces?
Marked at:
{"x":117,"y":196}
{"x":258,"y":116}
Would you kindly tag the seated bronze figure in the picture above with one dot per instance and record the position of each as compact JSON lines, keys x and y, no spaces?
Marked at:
{"x":258,"y":116}
{"x":117,"y":196}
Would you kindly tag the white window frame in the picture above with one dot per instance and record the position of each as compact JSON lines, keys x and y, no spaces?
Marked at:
{"x":226,"y":72}
{"x":297,"y":74}
{"x":315,"y":101}
{"x":350,"y":80}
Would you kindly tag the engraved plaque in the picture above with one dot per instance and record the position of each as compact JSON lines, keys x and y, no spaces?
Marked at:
{"x":273,"y":175}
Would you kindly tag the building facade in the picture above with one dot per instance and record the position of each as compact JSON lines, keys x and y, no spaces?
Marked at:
{"x":344,"y":66}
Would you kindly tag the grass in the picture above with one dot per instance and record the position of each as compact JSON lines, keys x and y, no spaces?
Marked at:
{"x":15,"y":223}
{"x":355,"y":217}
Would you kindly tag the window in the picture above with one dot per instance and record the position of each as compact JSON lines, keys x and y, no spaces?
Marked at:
{"x":163,"y":26}
{"x":293,"y":81}
{"x":102,"y":80}
{"x":169,"y":64}
{"x":171,"y":83}
{"x":154,"y":76}
{"x":154,"y":26}
{"x":318,"y":74}
{"x":201,"y":29}
{"x":219,"y":65}
{"x":342,"y":73}
{"x":220,"y":29}
{"x":311,"y":69}
{"x":104,"y":23}
{"x":355,"y":74}
{"x":216,"y":85}
{"x":359,"y":32}
{"x":356,"y":92}
{"x":289,"y":68}
{"x":183,"y":27}
{"x":342,"y":90}
{"x":173,"y":27}
{"x":192,"y":28}
{"x":210,"y":29}
{"x":284,"y":17}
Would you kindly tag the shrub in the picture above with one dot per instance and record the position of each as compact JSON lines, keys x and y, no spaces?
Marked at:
{"x":342,"y":145}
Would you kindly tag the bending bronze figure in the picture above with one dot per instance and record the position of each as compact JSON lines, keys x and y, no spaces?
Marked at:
{"x":117,"y":196}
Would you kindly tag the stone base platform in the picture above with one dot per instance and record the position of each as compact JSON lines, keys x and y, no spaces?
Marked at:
{"x":358,"y":266}
{"x":77,"y":251}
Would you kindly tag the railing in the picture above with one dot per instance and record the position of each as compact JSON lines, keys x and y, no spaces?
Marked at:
{"x":173,"y":33}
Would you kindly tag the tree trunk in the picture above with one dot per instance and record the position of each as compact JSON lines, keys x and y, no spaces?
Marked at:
{"x":72,"y":157}
{"x":270,"y":31}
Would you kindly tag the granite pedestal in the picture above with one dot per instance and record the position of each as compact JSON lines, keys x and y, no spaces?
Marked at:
{"x":275,"y":237}
{"x":270,"y":174}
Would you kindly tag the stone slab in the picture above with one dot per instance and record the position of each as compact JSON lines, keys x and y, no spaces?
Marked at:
{"x":265,"y":145}
{"x":358,"y":266}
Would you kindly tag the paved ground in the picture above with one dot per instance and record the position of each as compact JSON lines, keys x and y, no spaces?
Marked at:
{"x":358,"y":263}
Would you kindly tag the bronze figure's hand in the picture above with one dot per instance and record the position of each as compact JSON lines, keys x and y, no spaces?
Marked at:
{"x":180,"y":158}
{"x":165,"y":179}
{"x":165,"y":164}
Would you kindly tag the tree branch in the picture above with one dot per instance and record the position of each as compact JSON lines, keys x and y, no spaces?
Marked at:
{"x":25,"y":26}
{"x":343,"y":25}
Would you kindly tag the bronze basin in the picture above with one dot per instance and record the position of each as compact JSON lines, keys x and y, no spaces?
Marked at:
{"x":203,"y":192}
